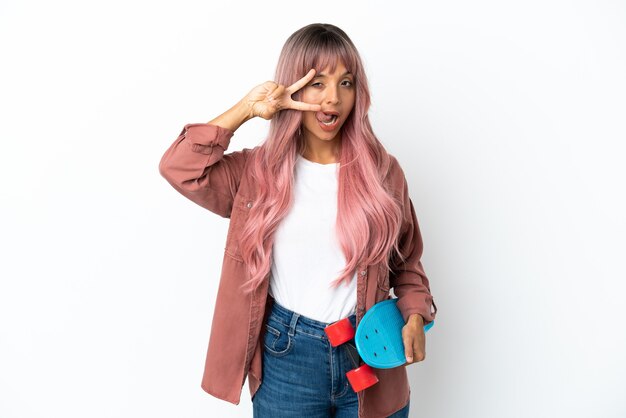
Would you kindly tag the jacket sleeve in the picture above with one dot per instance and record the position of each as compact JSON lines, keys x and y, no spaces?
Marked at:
{"x":196,"y":166}
{"x":407,"y":278}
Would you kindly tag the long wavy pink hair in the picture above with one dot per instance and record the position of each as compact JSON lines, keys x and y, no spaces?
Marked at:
{"x":368,"y":217}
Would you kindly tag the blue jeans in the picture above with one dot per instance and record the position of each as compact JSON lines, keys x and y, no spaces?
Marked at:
{"x":303,"y":375}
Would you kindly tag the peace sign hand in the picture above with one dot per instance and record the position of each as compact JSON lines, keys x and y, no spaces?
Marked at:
{"x":267,"y":99}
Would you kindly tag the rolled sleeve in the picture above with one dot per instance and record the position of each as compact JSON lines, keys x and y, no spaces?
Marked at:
{"x":196,"y":165}
{"x":203,"y":137}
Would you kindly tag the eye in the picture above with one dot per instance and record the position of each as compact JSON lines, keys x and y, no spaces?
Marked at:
{"x":316,"y":84}
{"x":347,"y":83}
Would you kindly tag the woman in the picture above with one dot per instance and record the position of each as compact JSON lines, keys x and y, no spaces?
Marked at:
{"x":321,"y":227}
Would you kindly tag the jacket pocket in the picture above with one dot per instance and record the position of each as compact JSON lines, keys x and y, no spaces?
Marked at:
{"x":382,"y":281}
{"x":238,"y":217}
{"x":382,"y":284}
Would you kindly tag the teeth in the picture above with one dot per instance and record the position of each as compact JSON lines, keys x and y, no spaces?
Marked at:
{"x":334,"y":118}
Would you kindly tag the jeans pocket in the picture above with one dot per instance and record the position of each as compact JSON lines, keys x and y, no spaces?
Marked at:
{"x":277,"y":342}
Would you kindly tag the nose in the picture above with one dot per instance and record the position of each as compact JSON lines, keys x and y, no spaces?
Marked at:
{"x":332,"y":95}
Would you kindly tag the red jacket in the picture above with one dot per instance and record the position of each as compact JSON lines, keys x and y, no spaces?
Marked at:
{"x":197,"y":167}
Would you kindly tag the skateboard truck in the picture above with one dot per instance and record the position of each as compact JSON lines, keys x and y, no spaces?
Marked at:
{"x":377,"y":342}
{"x":363,"y":375}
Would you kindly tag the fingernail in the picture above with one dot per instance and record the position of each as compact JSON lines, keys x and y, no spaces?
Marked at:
{"x":409,"y":359}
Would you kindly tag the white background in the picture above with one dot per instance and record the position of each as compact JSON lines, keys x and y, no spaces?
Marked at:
{"x":507,"y":117}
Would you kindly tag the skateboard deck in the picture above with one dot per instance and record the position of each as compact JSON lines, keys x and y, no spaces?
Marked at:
{"x":378,"y":337}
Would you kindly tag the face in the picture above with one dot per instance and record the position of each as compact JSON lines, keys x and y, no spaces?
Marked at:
{"x":336,"y":93}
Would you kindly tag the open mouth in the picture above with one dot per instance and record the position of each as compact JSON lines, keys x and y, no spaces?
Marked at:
{"x":332,"y":120}
{"x":327,"y":121}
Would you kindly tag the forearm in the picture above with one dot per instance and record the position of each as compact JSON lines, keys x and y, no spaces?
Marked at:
{"x":234,"y":117}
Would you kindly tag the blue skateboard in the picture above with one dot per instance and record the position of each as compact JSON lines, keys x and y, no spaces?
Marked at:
{"x":377,"y":340}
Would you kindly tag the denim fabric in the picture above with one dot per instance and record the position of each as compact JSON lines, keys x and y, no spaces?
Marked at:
{"x":303,"y":375}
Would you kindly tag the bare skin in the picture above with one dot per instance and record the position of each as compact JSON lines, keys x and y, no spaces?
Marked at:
{"x":265,"y":100}
{"x":414,"y":339}
{"x":335,"y":93}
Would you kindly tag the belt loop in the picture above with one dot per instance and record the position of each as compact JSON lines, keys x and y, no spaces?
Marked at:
{"x":292,"y":325}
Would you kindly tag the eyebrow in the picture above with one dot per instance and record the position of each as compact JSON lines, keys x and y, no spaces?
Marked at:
{"x":324,"y":75}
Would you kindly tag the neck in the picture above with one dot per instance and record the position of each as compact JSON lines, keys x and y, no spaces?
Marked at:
{"x":323,"y":152}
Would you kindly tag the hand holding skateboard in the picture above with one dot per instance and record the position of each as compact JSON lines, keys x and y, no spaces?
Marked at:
{"x":378,"y":340}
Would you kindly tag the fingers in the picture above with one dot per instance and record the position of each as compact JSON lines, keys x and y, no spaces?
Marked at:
{"x":280,"y":96}
{"x":304,"y":106}
{"x":408,"y":348}
{"x":302,"y":82}
{"x":275,"y":93}
{"x":413,"y":344}
{"x":418,"y":351}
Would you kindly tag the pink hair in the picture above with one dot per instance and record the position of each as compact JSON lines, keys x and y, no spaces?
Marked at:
{"x":368,"y":216}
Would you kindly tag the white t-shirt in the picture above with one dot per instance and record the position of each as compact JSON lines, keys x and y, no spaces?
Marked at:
{"x":306,"y":252}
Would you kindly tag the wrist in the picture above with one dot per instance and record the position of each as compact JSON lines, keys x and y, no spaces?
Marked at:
{"x":234,"y":117}
{"x":244,"y":110}
{"x":416,"y":318}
